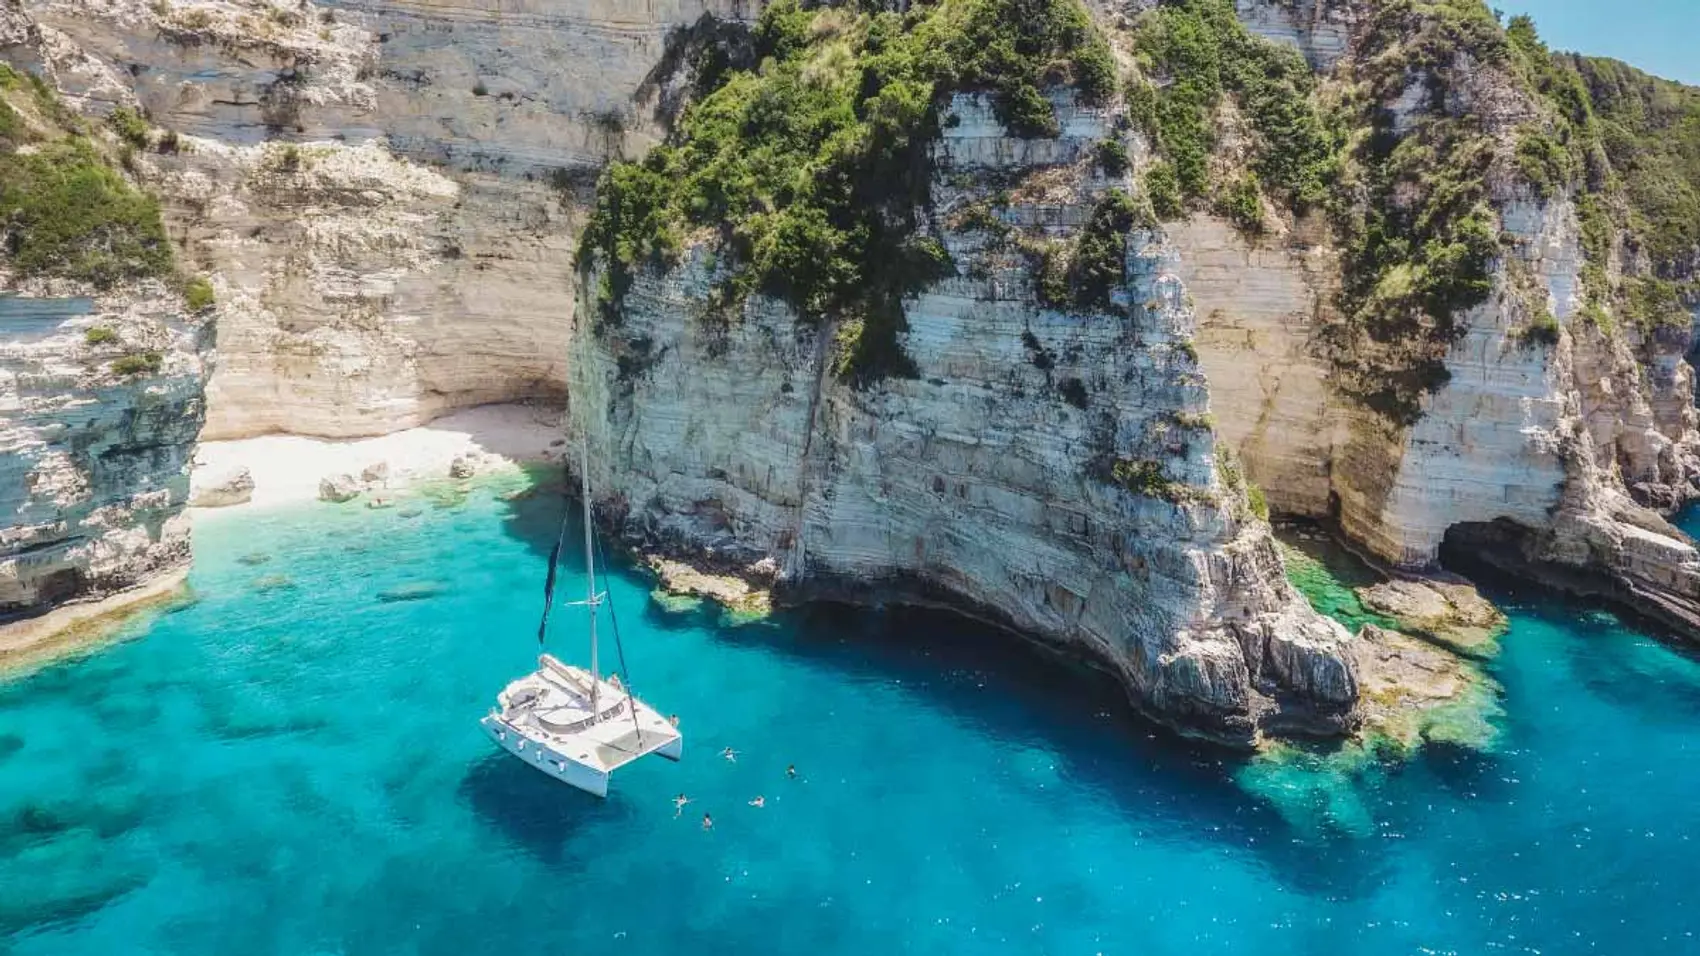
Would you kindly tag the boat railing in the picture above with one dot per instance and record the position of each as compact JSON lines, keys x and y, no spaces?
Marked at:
{"x":583,"y":722}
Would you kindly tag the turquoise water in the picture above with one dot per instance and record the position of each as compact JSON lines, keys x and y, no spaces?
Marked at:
{"x":292,"y":765}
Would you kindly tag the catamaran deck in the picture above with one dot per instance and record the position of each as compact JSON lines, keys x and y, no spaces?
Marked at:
{"x":552,"y":706}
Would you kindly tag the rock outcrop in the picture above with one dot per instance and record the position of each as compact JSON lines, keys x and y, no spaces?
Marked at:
{"x":985,"y":482}
{"x":233,"y":486}
{"x":94,"y":451}
{"x":1545,"y":440}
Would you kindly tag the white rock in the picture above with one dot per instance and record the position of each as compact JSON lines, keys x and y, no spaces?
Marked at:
{"x":338,"y":488}
{"x":464,"y":466}
{"x":377,"y":471}
{"x":233,"y":486}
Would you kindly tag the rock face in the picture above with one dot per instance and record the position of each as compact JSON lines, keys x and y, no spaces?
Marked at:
{"x":383,"y":190}
{"x":94,"y":463}
{"x":1547,"y":443}
{"x":982,"y":484}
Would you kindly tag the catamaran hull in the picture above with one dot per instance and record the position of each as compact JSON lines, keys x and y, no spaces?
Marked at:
{"x":549,"y":762}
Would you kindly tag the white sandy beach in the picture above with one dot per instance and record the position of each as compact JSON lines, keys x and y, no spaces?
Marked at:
{"x":288,"y":468}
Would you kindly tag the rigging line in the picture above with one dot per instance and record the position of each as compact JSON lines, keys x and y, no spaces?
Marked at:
{"x":619,"y":648}
{"x":554,"y":560}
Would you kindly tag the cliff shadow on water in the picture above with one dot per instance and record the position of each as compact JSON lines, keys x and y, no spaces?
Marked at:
{"x":1308,"y":816}
{"x":1630,"y":659}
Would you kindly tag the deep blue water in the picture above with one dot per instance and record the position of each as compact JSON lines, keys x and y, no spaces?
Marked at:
{"x":292,"y":765}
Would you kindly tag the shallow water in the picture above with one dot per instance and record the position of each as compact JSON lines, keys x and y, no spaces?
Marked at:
{"x":292,"y":765}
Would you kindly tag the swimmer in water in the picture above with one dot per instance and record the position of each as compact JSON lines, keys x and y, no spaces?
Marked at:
{"x":730,"y":754}
{"x":791,"y":771}
{"x":679,"y":805}
{"x":673,"y":719}
{"x":759,"y":801}
{"x":707,"y":822}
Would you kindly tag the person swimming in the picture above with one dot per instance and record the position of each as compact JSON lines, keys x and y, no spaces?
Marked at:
{"x":679,"y":805}
{"x":673,"y":719}
{"x":730,"y":754}
{"x":707,"y":822}
{"x":791,"y":771}
{"x":759,"y":801}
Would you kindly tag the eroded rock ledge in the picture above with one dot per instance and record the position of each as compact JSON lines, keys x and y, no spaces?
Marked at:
{"x":1600,"y":545}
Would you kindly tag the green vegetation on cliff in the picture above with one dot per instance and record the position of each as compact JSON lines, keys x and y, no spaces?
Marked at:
{"x":65,"y":210}
{"x":1413,"y":216}
{"x":1627,"y":145}
{"x":810,"y":167}
{"x":1195,"y":55}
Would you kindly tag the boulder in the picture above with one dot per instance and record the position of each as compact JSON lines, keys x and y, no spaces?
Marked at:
{"x":377,"y":471}
{"x":338,"y":488}
{"x":233,"y":486}
{"x":464,"y":466}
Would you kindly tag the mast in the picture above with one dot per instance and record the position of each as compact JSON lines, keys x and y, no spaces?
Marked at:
{"x":589,"y":574}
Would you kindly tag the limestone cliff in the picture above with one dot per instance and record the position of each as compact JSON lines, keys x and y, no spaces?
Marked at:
{"x":94,"y":458}
{"x":1543,"y":434}
{"x":103,"y":361}
{"x":983,"y":482}
{"x":383,"y":189}
{"x":387,"y":196}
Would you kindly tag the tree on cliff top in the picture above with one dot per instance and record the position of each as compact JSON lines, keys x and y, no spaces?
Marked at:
{"x":811,"y":167}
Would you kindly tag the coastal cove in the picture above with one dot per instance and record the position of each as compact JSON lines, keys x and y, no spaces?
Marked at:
{"x":290,"y":763}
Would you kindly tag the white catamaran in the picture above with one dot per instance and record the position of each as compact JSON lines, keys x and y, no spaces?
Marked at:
{"x":571,"y":724}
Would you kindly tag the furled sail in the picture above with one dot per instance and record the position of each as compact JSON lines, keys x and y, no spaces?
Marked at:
{"x":549,"y":582}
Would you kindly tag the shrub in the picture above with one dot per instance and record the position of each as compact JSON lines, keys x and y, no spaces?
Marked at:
{"x":138,"y":363}
{"x":1051,"y":278}
{"x":1111,"y":157}
{"x":1144,"y":477}
{"x":100,"y":335}
{"x":66,"y":213}
{"x":1544,"y":162}
{"x":1164,"y":191}
{"x":130,"y":126}
{"x":198,"y":294}
{"x":1242,"y":204}
{"x":479,"y":89}
{"x":1257,"y":501}
{"x":11,"y":124}
{"x":1100,"y":255}
{"x":1542,"y":330}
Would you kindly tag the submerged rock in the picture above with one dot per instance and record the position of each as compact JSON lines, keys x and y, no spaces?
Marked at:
{"x":1416,"y":692}
{"x":673,"y":603}
{"x":1452,"y":613}
{"x":742,"y":601}
{"x":414,"y":591}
